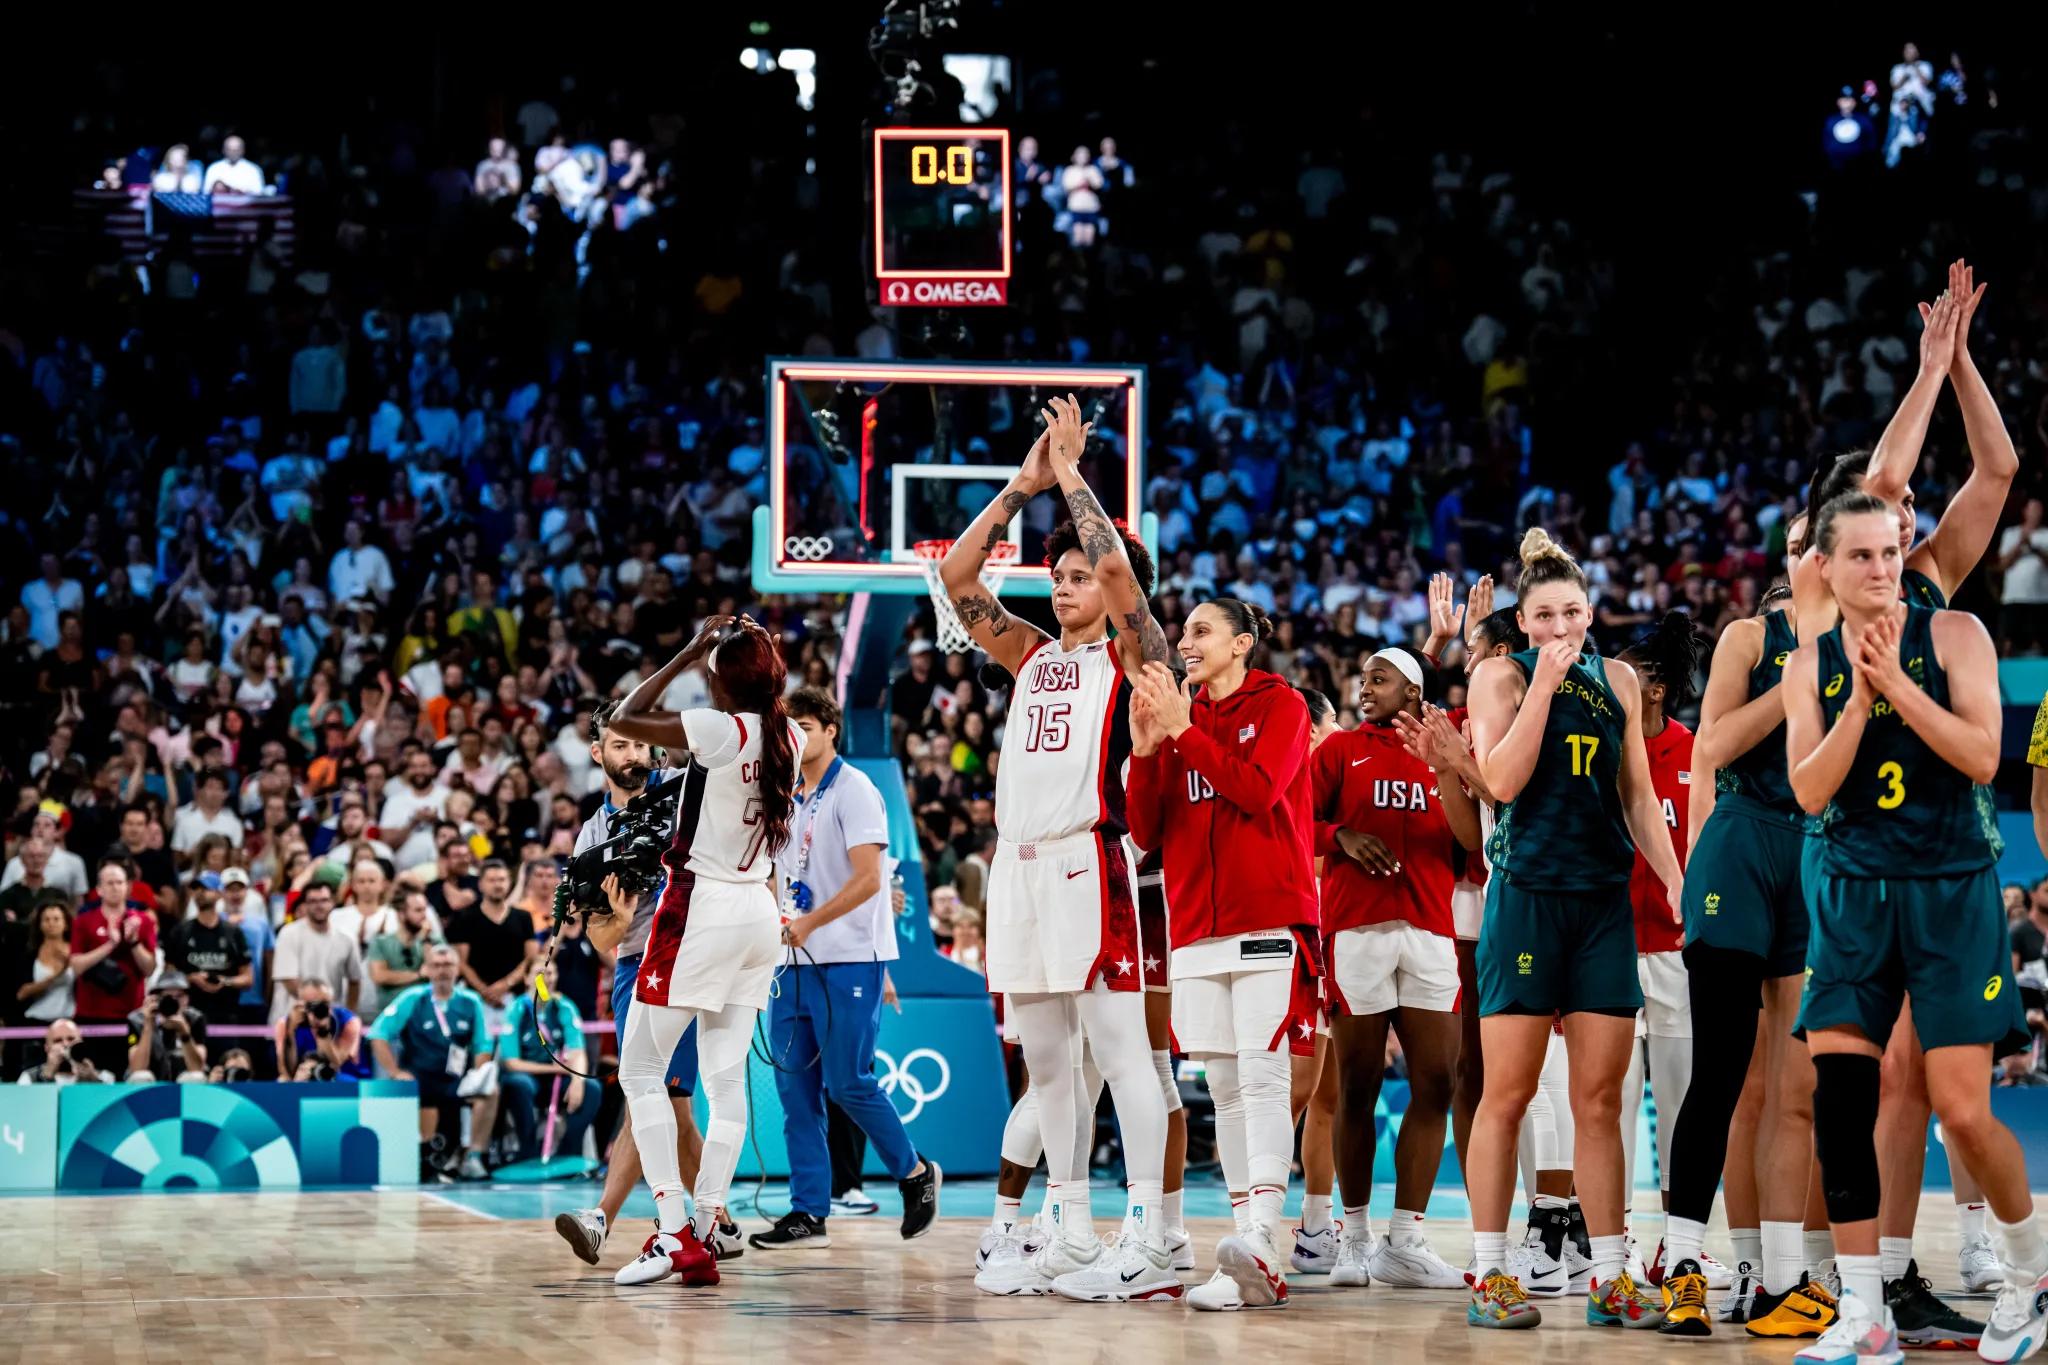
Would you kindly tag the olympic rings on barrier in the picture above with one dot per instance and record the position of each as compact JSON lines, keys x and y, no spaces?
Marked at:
{"x":895,"y":1079}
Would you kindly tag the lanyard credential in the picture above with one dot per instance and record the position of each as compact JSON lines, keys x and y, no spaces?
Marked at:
{"x":803,"y":851}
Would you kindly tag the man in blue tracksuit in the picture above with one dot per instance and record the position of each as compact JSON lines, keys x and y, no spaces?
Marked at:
{"x":827,"y":1006}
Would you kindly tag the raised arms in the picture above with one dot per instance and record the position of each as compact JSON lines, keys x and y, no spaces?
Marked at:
{"x":1971,"y":518}
{"x":1004,"y":638}
{"x":639,"y":716}
{"x":1139,"y":639}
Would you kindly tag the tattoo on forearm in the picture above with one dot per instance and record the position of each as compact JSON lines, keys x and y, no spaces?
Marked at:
{"x":1151,"y":639}
{"x":1013,"y":502}
{"x":1098,"y":538}
{"x":974,"y":609}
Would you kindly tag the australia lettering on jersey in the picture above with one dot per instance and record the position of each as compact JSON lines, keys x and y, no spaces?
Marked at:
{"x":1916,"y":669}
{"x":1591,"y":696}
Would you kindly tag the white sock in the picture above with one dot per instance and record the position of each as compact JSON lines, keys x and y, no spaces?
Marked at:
{"x":1008,"y":1212}
{"x":1489,"y":1251}
{"x":1784,"y":1257}
{"x":1819,"y":1248}
{"x":1404,"y":1229}
{"x":1749,"y":1249}
{"x":1894,"y":1254}
{"x":1268,"y":1202}
{"x":2021,"y":1254}
{"x":1357,"y":1223}
{"x":1862,"y":1276}
{"x":1175,"y":1222}
{"x":1144,"y":1206}
{"x":1970,"y":1221}
{"x":1241,"y":1213}
{"x":1684,"y":1240}
{"x":1549,"y":1201}
{"x":1315,"y":1213}
{"x":1610,"y":1257}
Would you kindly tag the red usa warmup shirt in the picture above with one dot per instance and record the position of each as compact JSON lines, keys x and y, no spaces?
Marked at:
{"x":1227,"y":805}
{"x":1366,"y":780}
{"x":1671,"y":779}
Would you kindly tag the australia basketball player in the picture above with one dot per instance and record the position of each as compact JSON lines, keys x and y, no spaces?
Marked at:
{"x":1557,"y":735}
{"x":1062,"y":922}
{"x":1892,"y":723}
{"x":713,"y":948}
{"x":1220,"y":784}
{"x":1933,"y":569}
{"x":1388,"y":824}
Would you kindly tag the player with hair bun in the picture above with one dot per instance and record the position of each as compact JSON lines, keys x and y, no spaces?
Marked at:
{"x":1220,"y":785}
{"x":1557,"y":736}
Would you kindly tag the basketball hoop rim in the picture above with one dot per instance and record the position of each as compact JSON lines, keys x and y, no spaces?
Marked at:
{"x":932,"y":551}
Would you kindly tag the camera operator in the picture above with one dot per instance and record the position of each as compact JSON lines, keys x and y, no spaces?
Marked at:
{"x":630,"y":768}
{"x":59,"y":1065}
{"x":167,"y":1037}
{"x":319,"y":1040}
{"x":234,"y":1068}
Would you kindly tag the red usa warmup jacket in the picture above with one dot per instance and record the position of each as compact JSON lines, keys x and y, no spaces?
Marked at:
{"x":1366,"y":780}
{"x":1671,"y":778}
{"x":1229,"y":807}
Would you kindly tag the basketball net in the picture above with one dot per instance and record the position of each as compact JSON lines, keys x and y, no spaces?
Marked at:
{"x":953,"y":636}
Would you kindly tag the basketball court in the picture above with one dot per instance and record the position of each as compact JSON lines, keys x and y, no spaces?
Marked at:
{"x":480,"y":1273}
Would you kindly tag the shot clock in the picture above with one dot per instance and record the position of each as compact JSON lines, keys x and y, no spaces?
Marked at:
{"x":941,"y":201}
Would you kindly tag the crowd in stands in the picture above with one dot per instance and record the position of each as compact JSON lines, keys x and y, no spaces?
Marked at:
{"x":311,"y":591}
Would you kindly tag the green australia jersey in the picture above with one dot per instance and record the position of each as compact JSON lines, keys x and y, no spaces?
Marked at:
{"x":1902,"y":811}
{"x":1759,"y":784}
{"x":1921,"y":591}
{"x":1565,"y":831}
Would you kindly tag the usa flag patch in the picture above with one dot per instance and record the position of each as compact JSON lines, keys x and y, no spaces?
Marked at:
{"x":1246,"y":733}
{"x":1685,"y":779}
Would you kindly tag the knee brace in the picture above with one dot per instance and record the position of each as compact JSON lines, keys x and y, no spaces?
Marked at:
{"x":1844,"y":1134}
{"x":1022,"y":1145}
{"x":1169,"y":1088}
{"x":1265,"y":1079}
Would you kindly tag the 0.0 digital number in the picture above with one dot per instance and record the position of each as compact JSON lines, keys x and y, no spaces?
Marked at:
{"x":926,"y":167}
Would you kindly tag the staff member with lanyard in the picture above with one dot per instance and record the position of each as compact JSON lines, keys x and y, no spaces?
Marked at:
{"x":629,"y":769}
{"x":827,"y":1005}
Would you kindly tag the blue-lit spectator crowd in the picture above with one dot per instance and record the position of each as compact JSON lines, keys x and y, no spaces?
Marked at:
{"x":313,"y":577}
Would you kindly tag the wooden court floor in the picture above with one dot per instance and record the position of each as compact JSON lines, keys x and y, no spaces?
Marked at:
{"x":400,"y":1275}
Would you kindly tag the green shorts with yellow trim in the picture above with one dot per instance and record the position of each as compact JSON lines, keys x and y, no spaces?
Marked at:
{"x":1743,"y":889}
{"x":1565,"y":952}
{"x":1941,"y":940}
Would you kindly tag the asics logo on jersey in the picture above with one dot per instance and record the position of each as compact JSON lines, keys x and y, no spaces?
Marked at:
{"x":895,"y":1079}
{"x":1782,"y":656}
{"x":1713,"y":902}
{"x":1525,"y":962}
{"x":1835,"y":685}
{"x":1993,"y":987}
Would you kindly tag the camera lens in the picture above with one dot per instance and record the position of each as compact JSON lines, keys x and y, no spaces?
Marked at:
{"x":319,"y":1009}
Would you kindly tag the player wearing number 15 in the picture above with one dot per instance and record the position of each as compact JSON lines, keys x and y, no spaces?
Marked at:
{"x":1892,"y":719}
{"x":1062,"y":911}
{"x":1558,"y":739}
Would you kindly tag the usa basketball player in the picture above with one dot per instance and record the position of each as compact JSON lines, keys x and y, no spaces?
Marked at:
{"x":714,"y":945}
{"x":1062,"y":918}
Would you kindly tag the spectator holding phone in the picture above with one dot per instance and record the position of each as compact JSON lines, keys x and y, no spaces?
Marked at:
{"x":319,"y":1040}
{"x":213,"y":955}
{"x":166,"y":1037}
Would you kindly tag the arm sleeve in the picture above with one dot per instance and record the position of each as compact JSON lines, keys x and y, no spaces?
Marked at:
{"x":1145,"y":798}
{"x":1253,"y":783}
{"x":715,"y":737}
{"x":1327,"y":778}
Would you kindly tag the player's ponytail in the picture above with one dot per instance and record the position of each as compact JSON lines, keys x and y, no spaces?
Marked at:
{"x":1834,"y":476}
{"x":1545,"y":561}
{"x":1245,"y":618}
{"x":751,"y":671}
{"x":1670,"y":654}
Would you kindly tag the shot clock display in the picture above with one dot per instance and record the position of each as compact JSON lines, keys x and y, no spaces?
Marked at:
{"x":942,"y":221}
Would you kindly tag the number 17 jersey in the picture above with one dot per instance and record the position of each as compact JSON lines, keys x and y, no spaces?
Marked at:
{"x":1065,"y":743}
{"x":1565,"y":831}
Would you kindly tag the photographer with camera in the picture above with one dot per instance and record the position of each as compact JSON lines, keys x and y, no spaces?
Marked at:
{"x":319,"y":1040}
{"x":620,"y":923}
{"x":233,"y":1069}
{"x":167,"y":1037}
{"x":59,"y":1065}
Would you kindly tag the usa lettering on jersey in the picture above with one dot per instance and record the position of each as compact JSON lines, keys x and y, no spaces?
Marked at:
{"x":1063,"y":746}
{"x":1392,"y":794}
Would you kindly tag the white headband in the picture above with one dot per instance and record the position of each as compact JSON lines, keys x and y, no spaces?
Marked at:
{"x":1403,"y":662}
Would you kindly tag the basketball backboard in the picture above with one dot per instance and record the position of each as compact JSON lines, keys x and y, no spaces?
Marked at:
{"x":867,"y":458}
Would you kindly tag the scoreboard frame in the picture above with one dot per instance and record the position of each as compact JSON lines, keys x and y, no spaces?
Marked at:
{"x":904,"y":287}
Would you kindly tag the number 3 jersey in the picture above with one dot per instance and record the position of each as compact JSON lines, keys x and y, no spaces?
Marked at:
{"x":1366,"y":780}
{"x":1065,"y":744}
{"x":1902,"y":811}
{"x":1564,"y":831}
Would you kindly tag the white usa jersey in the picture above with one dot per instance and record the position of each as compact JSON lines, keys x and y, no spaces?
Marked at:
{"x":720,"y":831}
{"x":1065,"y":745}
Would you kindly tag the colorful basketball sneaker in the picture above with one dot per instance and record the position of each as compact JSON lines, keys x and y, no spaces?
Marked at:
{"x":1499,"y":1301}
{"x":2019,"y":1321}
{"x":1862,"y":1334}
{"x":1685,"y":1302}
{"x":1621,"y":1302}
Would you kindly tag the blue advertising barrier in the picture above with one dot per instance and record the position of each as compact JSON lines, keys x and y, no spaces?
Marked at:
{"x":208,"y":1137}
{"x":942,"y":1065}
